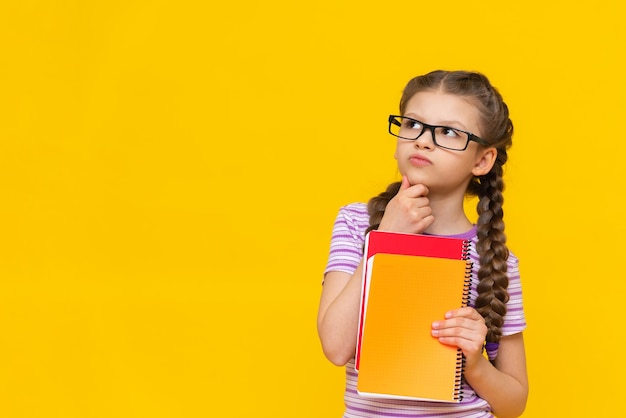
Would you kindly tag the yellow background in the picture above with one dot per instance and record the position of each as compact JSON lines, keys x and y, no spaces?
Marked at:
{"x":170,"y":172}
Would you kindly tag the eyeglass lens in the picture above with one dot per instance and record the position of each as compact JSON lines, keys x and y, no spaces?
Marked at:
{"x":408,"y":128}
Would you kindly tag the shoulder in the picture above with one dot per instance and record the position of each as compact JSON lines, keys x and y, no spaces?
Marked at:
{"x":348,"y":238}
{"x":354,"y":211}
{"x":355,"y":215}
{"x":352,"y":220}
{"x":512,"y":261}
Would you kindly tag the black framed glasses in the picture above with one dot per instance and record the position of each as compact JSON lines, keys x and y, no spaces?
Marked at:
{"x":443,"y":136}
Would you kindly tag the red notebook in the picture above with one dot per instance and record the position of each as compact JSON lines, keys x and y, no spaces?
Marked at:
{"x":409,"y":281}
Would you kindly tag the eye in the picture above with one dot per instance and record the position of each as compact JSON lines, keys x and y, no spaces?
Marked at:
{"x":411,"y":124}
{"x":450,"y":133}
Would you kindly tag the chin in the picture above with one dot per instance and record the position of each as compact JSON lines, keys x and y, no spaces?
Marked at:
{"x":419,"y":180}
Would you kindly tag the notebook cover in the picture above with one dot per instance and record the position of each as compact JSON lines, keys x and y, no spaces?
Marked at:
{"x":399,"y":357}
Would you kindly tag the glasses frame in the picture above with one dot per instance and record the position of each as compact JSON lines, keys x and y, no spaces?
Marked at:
{"x":470,"y":136}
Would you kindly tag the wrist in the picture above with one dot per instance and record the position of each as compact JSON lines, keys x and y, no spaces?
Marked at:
{"x":474,"y":366}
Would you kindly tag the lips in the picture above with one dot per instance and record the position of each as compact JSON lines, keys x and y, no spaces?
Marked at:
{"x":419,"y":160}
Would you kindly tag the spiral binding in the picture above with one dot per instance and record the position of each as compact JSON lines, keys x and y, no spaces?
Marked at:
{"x":460,"y":364}
{"x":460,"y":360}
{"x":466,"y":249}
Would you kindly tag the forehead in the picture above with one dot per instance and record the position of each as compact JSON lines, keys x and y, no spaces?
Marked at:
{"x":438,"y":108}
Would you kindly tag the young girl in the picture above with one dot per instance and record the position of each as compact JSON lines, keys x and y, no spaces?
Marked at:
{"x":452,"y":133}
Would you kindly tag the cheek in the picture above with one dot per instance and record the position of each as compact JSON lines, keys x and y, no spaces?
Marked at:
{"x":395,"y":153}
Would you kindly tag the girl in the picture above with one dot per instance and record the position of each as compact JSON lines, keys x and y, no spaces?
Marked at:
{"x":453,"y":133}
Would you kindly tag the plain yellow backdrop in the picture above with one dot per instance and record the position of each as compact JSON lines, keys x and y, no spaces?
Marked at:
{"x":170,"y":172}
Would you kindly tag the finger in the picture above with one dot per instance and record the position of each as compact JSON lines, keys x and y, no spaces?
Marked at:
{"x":459,"y":332}
{"x":459,"y":323}
{"x":448,"y":326}
{"x":417,"y":190}
{"x":405,"y":183}
{"x":466,"y":312}
{"x":469,"y":331}
{"x":469,"y":347}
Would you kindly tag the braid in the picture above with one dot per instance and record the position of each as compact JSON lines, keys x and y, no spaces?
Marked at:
{"x":493,"y":255}
{"x":377,"y":205}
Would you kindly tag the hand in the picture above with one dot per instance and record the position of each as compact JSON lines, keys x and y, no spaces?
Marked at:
{"x":464,"y":328}
{"x":408,"y":211}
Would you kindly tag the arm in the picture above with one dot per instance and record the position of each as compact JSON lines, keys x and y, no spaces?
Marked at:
{"x":338,"y":315}
{"x":503,"y":383}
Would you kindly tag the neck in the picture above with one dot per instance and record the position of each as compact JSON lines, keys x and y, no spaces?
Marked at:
{"x":450,"y":217}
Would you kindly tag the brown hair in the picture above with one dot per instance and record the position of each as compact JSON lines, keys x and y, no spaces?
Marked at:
{"x":497,"y":130}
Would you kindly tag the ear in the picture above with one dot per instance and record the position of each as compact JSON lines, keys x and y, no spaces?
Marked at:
{"x":485,"y":159}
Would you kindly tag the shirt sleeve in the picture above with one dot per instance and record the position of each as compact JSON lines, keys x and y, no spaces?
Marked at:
{"x":514,"y":320}
{"x":346,"y":245}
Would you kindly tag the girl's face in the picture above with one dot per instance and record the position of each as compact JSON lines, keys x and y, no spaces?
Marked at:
{"x":442,"y":170}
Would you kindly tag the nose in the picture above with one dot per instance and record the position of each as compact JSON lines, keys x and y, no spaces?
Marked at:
{"x":422,"y":141}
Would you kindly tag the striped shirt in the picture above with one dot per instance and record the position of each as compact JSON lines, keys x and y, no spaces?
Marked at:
{"x":346,"y":250}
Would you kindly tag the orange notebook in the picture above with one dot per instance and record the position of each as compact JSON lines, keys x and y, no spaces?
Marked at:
{"x":407,"y":244}
{"x":403,"y":295}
